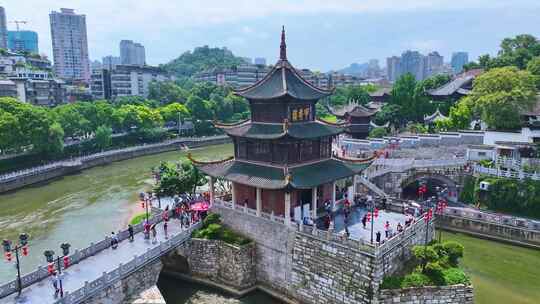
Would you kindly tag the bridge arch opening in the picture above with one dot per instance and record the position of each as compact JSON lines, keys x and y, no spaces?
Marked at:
{"x":446,"y":185}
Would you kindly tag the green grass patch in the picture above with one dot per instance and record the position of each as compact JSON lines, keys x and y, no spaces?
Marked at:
{"x":139,"y":218}
{"x":213,"y":230}
{"x":500,"y":273}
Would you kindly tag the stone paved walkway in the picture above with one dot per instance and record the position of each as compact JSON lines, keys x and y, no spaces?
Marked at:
{"x":356,"y":230}
{"x":93,"y":267}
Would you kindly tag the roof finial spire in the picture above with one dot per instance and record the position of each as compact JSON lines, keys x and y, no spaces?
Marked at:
{"x":283,"y":46}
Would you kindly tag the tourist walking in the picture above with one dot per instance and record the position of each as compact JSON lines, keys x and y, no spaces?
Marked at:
{"x":165,"y":226}
{"x":55,"y":280}
{"x":130,"y":230}
{"x":364,"y":221}
{"x":154,"y":233}
{"x":399,"y":227}
{"x":386,"y":228}
{"x":378,"y":237}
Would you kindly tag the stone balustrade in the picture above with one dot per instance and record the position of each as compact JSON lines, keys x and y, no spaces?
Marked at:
{"x":494,"y":218}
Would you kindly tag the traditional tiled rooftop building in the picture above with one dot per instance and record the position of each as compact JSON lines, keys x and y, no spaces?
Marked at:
{"x":358,"y":118}
{"x":283,"y":154}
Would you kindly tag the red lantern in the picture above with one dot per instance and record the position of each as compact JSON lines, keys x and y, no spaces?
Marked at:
{"x":142,"y":204}
{"x":368,"y":217}
{"x":8,"y":256}
{"x":50,"y":268}
{"x":376,"y":213}
{"x":25,"y":250}
{"x":66,"y":261}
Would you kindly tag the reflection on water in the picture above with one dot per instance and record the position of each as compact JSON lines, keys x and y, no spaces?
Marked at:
{"x":81,"y":208}
{"x":176,"y":291}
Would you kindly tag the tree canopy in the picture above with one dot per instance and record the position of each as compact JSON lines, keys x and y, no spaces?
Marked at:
{"x":202,"y":58}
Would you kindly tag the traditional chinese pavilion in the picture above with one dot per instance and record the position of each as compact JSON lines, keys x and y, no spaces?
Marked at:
{"x":358,"y":118}
{"x":283,"y":154}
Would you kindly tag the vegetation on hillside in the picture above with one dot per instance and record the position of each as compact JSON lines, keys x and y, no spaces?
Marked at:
{"x":202,"y":58}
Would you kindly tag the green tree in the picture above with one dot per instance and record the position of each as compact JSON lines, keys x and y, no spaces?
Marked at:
{"x":534,"y":68}
{"x":389,"y":113}
{"x":72,"y":121}
{"x":459,"y":119}
{"x":174,"y":111}
{"x":403,"y":95}
{"x":53,"y":144}
{"x":378,"y":133}
{"x":167,"y":92}
{"x":10,"y":132}
{"x":500,"y":94}
{"x":200,"y":109}
{"x":103,"y":137}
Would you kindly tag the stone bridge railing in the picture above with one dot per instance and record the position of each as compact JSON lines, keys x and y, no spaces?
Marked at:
{"x":80,"y":254}
{"x":79,"y":160}
{"x":382,"y":166}
{"x":125,"y":270}
{"x":499,"y":219}
{"x":481,"y":170}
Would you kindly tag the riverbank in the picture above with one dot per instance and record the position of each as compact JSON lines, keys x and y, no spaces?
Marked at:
{"x":16,"y":180}
{"x":501,"y":273}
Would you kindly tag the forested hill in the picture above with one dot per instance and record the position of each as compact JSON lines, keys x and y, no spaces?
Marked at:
{"x":200,"y":59}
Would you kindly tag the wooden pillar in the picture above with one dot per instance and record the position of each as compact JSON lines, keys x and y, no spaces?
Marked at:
{"x":233,"y":195}
{"x":212,"y":194}
{"x":314,"y":203}
{"x":258,"y":201}
{"x":333,"y":195}
{"x":287,"y":208}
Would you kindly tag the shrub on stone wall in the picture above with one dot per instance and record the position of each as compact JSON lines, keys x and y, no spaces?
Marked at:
{"x":434,"y":265}
{"x":212,"y":229}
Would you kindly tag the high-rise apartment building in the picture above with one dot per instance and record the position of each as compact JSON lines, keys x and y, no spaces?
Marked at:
{"x":3,"y":28}
{"x":70,"y":45}
{"x":110,"y":62}
{"x":434,"y":64}
{"x":26,"y":41}
{"x":413,"y":62}
{"x":393,"y":68}
{"x":132,"y":53}
{"x":459,"y":59}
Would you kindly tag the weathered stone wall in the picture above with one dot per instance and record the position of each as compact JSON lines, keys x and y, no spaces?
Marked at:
{"x":223,"y":263}
{"x":129,"y":289}
{"x":456,"y":294}
{"x":490,"y":230}
{"x":327,"y":272}
{"x":273,"y":246}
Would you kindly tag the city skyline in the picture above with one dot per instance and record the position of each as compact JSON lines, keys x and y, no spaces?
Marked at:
{"x":167,"y":29}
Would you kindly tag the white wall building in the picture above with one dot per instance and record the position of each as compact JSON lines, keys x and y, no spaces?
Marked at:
{"x":70,"y":45}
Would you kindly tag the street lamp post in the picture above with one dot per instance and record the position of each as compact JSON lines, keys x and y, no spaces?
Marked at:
{"x":372,"y":215}
{"x":49,"y":257}
{"x":144,"y":203}
{"x":441,"y":206}
{"x":427,"y":218}
{"x":23,"y":247}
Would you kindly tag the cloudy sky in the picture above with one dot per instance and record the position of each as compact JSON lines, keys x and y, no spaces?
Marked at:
{"x":321,"y":34}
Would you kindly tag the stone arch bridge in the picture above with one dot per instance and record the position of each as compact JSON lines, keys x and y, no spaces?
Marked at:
{"x":391,"y":176}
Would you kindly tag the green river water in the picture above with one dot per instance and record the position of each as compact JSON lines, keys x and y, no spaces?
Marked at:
{"x":85,"y":207}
